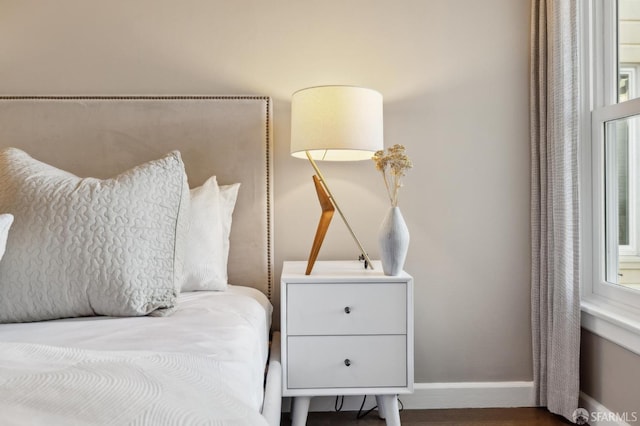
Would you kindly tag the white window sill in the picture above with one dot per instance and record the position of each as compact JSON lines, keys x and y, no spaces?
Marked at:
{"x":612,"y":322}
{"x":629,"y":257}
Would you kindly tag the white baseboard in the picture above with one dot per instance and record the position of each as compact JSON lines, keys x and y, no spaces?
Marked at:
{"x":470,"y":395}
{"x":599,"y":415}
{"x":444,"y":395}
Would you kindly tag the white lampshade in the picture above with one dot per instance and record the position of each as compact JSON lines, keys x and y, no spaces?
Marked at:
{"x":336,"y":123}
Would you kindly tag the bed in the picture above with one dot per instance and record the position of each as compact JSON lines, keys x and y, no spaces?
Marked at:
{"x":199,"y":357}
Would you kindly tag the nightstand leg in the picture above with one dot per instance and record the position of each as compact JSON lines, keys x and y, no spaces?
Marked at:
{"x":380,"y":404}
{"x":299,"y":410}
{"x":390,"y":409}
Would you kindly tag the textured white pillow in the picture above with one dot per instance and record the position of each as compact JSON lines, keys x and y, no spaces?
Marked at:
{"x":207,"y":252}
{"x":5,"y":223}
{"x":81,"y":247}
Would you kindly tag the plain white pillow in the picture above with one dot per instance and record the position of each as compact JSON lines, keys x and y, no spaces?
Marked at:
{"x":207,"y":252}
{"x":5,"y":223}
{"x":228,"y":198}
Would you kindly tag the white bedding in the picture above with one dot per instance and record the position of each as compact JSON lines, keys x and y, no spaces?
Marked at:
{"x":229,"y":328}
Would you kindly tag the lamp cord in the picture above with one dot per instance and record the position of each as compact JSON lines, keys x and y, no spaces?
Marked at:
{"x":360,"y":414}
{"x":336,"y":406}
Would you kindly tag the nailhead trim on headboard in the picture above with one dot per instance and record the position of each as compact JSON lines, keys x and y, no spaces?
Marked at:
{"x":268,"y":149}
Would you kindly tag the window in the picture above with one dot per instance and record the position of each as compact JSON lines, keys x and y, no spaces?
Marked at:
{"x":611,"y":168}
{"x":626,"y":164}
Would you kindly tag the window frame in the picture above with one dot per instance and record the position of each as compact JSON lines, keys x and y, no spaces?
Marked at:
{"x":608,"y":310}
{"x":630,"y":253}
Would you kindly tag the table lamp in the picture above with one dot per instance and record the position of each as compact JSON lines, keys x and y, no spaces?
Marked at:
{"x":334,"y":123}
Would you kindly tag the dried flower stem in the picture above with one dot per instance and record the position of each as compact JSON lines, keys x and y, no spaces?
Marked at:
{"x":386,"y":184}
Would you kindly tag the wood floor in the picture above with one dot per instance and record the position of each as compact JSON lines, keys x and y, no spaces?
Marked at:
{"x":458,"y":417}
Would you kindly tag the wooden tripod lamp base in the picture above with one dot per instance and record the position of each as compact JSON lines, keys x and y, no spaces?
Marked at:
{"x":323,"y":224}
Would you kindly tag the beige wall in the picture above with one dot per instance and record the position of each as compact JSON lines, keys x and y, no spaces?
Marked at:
{"x":610,"y":374}
{"x":454,"y":76}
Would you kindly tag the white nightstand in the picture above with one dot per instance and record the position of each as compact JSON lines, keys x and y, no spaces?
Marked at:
{"x":346,"y":331}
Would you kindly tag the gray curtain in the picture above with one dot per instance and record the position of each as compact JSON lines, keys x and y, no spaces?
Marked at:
{"x":555,"y":213}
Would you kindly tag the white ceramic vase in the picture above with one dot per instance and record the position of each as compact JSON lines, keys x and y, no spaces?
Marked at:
{"x":393,"y":242}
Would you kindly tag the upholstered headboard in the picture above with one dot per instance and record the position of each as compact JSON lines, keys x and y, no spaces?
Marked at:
{"x":226,"y":136}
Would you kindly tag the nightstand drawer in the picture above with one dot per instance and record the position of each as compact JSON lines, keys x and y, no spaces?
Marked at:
{"x":346,"y":361}
{"x":341,"y":309}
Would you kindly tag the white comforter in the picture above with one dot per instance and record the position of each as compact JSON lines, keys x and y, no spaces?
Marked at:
{"x":45,"y":385}
{"x":219,"y":339}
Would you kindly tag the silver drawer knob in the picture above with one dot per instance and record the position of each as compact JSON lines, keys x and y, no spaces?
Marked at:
{"x":347,"y":310}
{"x":347,"y":362}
